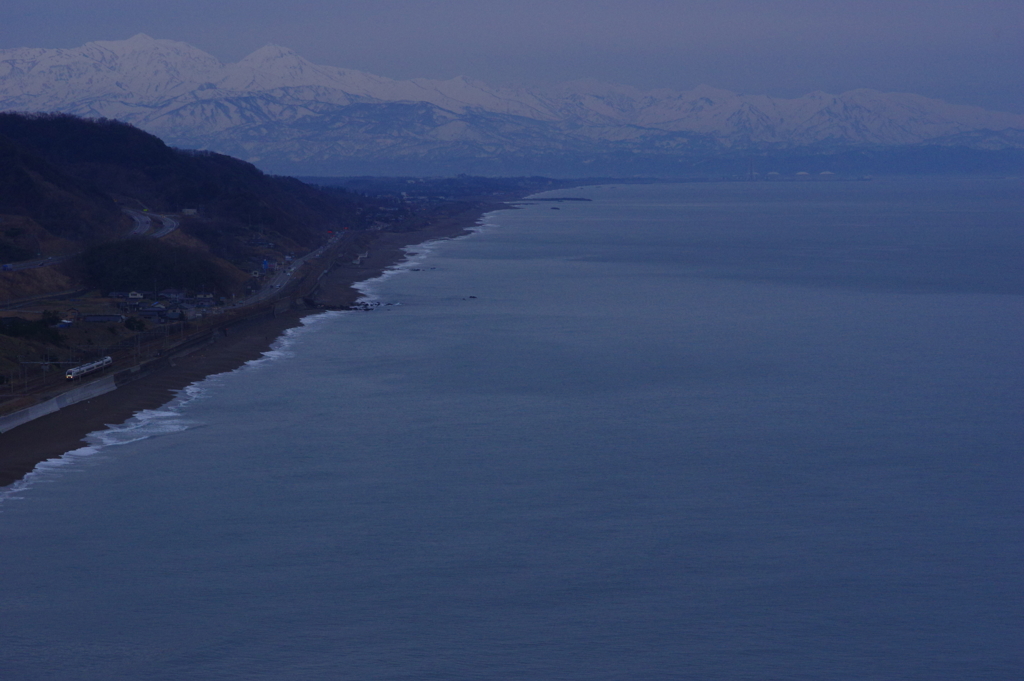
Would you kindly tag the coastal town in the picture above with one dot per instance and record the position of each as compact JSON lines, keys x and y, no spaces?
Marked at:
{"x":148,"y":292}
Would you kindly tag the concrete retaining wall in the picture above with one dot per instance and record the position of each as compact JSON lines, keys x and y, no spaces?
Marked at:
{"x":79,"y":394}
{"x":109,"y":383}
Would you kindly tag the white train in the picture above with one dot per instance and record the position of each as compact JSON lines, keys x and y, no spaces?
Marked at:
{"x":83,"y":369}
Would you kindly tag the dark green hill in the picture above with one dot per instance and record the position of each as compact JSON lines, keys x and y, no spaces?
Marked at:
{"x":84,"y":160}
{"x":65,"y":205}
{"x":72,"y":177}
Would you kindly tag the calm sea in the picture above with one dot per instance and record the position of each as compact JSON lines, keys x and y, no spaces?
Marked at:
{"x":699,"y":431}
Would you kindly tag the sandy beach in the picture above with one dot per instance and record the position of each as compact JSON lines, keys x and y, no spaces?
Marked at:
{"x":55,"y":434}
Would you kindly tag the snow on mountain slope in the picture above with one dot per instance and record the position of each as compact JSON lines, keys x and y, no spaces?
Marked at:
{"x":274,"y":97}
{"x":140,"y":69}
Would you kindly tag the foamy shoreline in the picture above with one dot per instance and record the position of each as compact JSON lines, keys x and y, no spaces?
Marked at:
{"x":81,"y":430}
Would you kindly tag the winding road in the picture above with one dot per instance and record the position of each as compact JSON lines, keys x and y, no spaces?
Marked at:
{"x":143,"y":225}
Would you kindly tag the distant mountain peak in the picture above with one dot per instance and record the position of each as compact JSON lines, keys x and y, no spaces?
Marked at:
{"x":142,"y":43}
{"x":275,"y":103}
{"x":139,"y":40}
{"x":271,"y":52}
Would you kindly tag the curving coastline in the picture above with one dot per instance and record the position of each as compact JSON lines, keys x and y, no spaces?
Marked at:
{"x":55,"y":434}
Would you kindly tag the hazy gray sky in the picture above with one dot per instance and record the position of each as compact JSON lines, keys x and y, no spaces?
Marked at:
{"x":963,"y":52}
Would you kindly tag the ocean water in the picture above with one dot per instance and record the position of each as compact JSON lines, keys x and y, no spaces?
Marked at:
{"x":699,"y":431}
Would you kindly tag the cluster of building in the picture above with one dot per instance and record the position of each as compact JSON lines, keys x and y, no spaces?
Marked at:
{"x":167,"y":305}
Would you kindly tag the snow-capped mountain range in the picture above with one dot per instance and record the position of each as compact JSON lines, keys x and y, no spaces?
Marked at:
{"x":288,"y":115}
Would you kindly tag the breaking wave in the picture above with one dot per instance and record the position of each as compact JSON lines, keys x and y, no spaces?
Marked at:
{"x":143,"y":425}
{"x":165,"y":420}
{"x":282,"y":348}
{"x":414,"y":256}
{"x":169,"y":418}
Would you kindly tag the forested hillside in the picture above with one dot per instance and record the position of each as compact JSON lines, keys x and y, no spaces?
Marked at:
{"x":97,"y":162}
{"x":67,"y":184}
